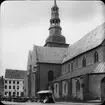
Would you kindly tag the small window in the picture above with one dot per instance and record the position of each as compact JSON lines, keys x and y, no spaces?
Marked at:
{"x":9,"y":87}
{"x":78,"y":85}
{"x":13,"y":82}
{"x":5,"y":81}
{"x":13,"y":87}
{"x":17,"y":82}
{"x":5,"y":86}
{"x":84,"y":62}
{"x":9,"y":93}
{"x":17,"y":87}
{"x":17,"y":93}
{"x":10,"y":82}
{"x":95,"y":57}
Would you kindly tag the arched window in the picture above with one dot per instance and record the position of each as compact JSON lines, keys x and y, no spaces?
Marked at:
{"x":95,"y":57}
{"x":77,"y":86}
{"x":68,"y":67}
{"x":50,"y":75}
{"x":84,"y":62}
{"x":56,"y":87}
{"x":65,"y":87}
{"x":72,"y":66}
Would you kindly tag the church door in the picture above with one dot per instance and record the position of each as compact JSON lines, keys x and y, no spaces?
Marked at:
{"x":103,"y":89}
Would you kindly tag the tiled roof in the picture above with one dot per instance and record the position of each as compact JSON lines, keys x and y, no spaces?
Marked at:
{"x":15,"y":74}
{"x":88,"y":42}
{"x":94,"y":68}
{"x":50,"y":54}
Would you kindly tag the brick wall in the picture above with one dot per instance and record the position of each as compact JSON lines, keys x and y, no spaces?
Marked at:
{"x":44,"y":68}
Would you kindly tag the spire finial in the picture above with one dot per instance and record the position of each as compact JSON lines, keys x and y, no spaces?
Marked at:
{"x":55,"y":2}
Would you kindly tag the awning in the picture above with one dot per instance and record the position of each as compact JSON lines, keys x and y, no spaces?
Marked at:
{"x":44,"y":91}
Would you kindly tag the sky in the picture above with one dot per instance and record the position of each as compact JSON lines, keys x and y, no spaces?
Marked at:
{"x":25,"y":23}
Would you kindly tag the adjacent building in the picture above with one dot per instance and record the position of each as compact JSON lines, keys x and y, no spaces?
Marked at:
{"x":14,"y":82}
{"x":1,"y":86}
{"x":75,"y":72}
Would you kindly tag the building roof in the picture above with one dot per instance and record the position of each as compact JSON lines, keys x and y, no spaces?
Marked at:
{"x":61,"y":55}
{"x":88,"y":42}
{"x":91,"y":69}
{"x":50,"y":54}
{"x":15,"y":74}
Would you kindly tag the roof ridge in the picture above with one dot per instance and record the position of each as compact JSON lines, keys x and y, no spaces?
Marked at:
{"x":86,"y":45}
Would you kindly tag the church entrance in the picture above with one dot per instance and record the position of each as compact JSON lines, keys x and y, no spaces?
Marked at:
{"x":103,"y":89}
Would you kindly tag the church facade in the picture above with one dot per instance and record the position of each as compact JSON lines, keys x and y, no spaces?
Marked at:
{"x":75,"y":72}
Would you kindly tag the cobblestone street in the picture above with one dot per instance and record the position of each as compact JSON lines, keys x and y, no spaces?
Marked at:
{"x":57,"y":103}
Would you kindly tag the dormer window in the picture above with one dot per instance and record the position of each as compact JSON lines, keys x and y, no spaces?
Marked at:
{"x":95,"y":57}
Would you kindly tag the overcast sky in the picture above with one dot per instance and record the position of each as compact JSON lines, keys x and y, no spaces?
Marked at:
{"x":25,"y":23}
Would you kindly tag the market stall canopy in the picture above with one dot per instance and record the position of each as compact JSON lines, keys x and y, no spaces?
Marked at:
{"x":44,"y":91}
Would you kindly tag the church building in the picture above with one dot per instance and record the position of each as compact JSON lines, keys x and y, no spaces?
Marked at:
{"x":72,"y":72}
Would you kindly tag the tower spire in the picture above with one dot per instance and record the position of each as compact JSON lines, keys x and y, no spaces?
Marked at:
{"x":55,"y":2}
{"x":55,"y":39}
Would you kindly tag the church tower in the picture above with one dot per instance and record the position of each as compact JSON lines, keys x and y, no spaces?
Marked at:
{"x":55,"y":39}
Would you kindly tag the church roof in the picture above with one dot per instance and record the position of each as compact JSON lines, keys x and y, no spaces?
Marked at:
{"x":50,"y":54}
{"x":15,"y":74}
{"x":91,"y":69}
{"x":88,"y":42}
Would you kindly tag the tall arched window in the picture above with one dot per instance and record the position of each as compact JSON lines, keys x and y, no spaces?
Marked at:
{"x":68,"y":67}
{"x":56,"y":88}
{"x":84,"y":62}
{"x":77,"y":86}
{"x":95,"y":57}
{"x":65,"y":87}
{"x":50,"y":75}
{"x":71,"y":66}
